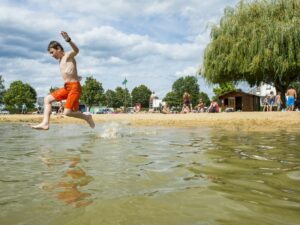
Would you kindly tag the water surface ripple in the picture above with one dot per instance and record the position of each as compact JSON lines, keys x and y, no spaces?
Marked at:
{"x":120,"y":174}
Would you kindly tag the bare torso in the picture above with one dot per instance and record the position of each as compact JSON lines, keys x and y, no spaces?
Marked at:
{"x":68,"y":68}
{"x":291,"y":92}
{"x":186,"y":98}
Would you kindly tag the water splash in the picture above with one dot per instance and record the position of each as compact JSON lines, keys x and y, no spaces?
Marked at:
{"x":112,"y":131}
{"x":120,"y":130}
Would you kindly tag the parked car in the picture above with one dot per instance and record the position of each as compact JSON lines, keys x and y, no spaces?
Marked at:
{"x":130,"y":110}
{"x":105,"y":111}
{"x":175,"y":109}
{"x":4,"y":112}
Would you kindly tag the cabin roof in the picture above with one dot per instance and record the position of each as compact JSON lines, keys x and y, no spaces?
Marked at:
{"x":236,"y":92}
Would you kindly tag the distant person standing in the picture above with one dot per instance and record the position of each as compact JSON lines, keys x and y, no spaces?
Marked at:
{"x":137,"y":107}
{"x":266,"y":103}
{"x":24,"y":108}
{"x":271,"y":100}
{"x":151,"y":100}
{"x":187,"y":102}
{"x":278,"y":101}
{"x":72,"y":88}
{"x":291,"y":98}
{"x":60,"y":108}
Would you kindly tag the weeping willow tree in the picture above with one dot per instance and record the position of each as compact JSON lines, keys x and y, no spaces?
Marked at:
{"x":257,"y":41}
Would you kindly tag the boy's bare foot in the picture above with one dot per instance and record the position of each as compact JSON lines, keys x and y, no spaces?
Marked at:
{"x":40,"y":127}
{"x":90,"y":120}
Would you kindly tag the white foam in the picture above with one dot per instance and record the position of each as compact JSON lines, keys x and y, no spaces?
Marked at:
{"x":111,"y":131}
{"x":119,"y":130}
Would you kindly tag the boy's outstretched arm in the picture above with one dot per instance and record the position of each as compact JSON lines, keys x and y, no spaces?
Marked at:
{"x":72,"y":44}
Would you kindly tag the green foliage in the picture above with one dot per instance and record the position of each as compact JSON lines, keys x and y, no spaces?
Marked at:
{"x":296,"y":85}
{"x":18,"y":94}
{"x":122,"y":97}
{"x":204,"y":98}
{"x":141,"y":94}
{"x":92,"y":92}
{"x":223,"y":88}
{"x":172,"y":99}
{"x":110,"y":97}
{"x":257,"y":41}
{"x":2,"y":89}
{"x":188,"y":84}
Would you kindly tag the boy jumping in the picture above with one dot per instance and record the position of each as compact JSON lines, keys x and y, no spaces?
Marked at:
{"x":72,"y":88}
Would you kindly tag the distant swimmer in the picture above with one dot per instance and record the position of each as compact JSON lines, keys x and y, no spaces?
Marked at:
{"x":72,"y":88}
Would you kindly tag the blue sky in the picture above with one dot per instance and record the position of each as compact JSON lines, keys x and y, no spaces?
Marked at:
{"x":148,"y":42}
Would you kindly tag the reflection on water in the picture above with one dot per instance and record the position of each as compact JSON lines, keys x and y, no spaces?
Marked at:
{"x":73,"y":178}
{"x":119,"y":174}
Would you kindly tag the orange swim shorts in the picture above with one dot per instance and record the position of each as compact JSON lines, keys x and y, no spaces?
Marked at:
{"x":71,"y":91}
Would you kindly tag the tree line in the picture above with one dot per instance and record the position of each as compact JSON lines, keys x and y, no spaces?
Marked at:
{"x":93,"y":94}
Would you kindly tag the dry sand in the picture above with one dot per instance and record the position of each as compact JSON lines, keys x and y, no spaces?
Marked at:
{"x":238,"y":120}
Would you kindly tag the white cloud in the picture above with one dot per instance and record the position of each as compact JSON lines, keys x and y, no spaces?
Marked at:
{"x":32,"y":72}
{"x":135,"y":46}
{"x":116,"y":61}
{"x":151,"y":42}
{"x":189,"y":71}
{"x":107,"y":36}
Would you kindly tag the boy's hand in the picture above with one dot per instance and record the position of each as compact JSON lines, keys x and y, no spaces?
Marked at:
{"x":66,"y":36}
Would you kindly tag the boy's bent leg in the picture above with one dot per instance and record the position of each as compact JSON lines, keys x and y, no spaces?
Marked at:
{"x":44,"y":125}
{"x":87,"y":117}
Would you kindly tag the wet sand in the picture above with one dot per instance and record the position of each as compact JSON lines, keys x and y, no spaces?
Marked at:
{"x":237,"y":120}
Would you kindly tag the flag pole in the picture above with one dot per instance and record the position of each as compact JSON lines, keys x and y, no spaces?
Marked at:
{"x":124,"y":82}
{"x":125,"y":97}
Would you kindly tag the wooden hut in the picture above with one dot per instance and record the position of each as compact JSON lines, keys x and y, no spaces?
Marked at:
{"x":239,"y":101}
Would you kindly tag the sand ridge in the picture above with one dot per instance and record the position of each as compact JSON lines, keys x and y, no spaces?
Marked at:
{"x":236,"y":120}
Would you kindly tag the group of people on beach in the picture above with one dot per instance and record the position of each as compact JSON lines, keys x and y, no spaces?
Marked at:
{"x":187,"y":106}
{"x":270,"y":101}
{"x":200,"y":107}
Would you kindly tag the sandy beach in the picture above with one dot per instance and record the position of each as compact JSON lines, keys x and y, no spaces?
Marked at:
{"x":237,"y":120}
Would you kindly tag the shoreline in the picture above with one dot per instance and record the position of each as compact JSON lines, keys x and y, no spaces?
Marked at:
{"x":252,"y":121}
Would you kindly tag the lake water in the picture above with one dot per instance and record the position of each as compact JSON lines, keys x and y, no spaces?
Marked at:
{"x":120,"y":174}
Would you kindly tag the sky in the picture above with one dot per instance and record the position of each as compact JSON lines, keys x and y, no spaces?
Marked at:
{"x":150,"y":42}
